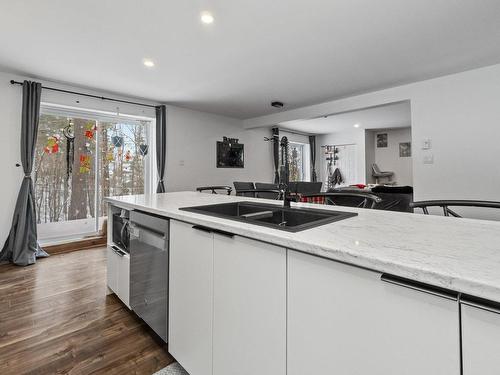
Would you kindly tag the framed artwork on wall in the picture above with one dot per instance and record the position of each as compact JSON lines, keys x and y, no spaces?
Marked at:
{"x":405,"y":150}
{"x":230,"y":153}
{"x":381,"y":140}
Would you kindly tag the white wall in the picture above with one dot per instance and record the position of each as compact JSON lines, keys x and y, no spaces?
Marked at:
{"x":460,"y":113}
{"x":191,"y":158}
{"x":387,"y":158}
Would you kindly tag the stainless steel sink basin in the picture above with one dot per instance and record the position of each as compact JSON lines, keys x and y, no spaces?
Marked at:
{"x":292,"y":219}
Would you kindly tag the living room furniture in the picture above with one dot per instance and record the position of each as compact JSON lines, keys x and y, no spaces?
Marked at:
{"x":239,"y":186}
{"x":394,"y":198}
{"x":445,"y":205}
{"x":305,"y":187}
{"x":272,"y":193}
{"x":354,"y":199}
{"x":214,"y":189}
{"x":377,"y":173}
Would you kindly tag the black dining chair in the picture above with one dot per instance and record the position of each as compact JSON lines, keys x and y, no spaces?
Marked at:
{"x":263,"y":186}
{"x":349,"y":199}
{"x":445,"y":205}
{"x":247,"y":188}
{"x":215,"y":189}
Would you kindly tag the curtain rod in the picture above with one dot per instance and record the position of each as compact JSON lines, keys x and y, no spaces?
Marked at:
{"x":87,"y":95}
{"x":294,"y":132}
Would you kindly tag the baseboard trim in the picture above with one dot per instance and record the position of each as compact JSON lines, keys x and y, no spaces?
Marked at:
{"x":75,"y":245}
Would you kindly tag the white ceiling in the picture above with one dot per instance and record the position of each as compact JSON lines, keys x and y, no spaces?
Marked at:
{"x":397,"y":115}
{"x":299,"y":52}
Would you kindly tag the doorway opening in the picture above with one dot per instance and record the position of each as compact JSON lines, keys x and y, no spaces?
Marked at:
{"x":352,"y":146}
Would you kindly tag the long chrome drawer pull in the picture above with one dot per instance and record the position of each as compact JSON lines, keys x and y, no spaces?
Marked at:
{"x":483,"y":306}
{"x":223,"y":233}
{"x":428,"y":289}
{"x":203,"y":229}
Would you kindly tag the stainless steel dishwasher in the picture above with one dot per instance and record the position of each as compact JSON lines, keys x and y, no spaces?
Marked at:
{"x":149,"y":269}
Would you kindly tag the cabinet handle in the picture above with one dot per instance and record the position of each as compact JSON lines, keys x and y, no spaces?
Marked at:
{"x":203,"y":229}
{"x":216,"y":231}
{"x":483,"y":305}
{"x":223,"y":233}
{"x":117,"y":251}
{"x":419,"y":287}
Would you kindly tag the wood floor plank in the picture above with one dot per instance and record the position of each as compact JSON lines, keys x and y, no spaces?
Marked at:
{"x":55,"y":318}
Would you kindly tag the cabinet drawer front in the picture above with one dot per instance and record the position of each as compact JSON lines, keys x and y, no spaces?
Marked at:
{"x":480,"y":341}
{"x":345,"y":320}
{"x":112,"y":260}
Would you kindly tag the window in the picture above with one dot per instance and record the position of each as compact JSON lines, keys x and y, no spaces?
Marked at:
{"x":82,"y":157}
{"x":298,"y":159}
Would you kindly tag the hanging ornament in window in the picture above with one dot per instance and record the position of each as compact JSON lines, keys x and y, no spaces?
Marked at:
{"x":110,"y":156}
{"x":128,"y":155}
{"x":85,"y":163}
{"x":117,"y":141}
{"x":143,"y":149}
{"x":70,"y":147}
{"x":52,"y":146}
{"x":90,"y":129}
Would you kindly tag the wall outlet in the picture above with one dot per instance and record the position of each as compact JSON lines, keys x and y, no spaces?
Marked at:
{"x":181,"y":163}
{"x":426,"y":144}
{"x":429,"y":159}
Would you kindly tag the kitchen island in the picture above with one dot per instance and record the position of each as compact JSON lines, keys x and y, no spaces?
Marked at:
{"x":250,"y":299}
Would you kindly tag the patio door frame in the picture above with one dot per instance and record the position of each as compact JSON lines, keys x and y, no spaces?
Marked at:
{"x":150,"y":173}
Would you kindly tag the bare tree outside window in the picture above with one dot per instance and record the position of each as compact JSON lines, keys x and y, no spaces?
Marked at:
{"x":65,"y":182}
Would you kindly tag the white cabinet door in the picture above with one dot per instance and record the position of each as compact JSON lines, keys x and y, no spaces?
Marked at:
{"x":344,"y":320}
{"x":118,"y":275}
{"x":123,"y":279}
{"x":112,"y":269}
{"x":190,"y":297}
{"x":249,"y":334}
{"x":480,"y":341}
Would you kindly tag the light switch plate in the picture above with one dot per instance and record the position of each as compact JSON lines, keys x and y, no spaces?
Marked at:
{"x":429,"y":159}
{"x":426,"y":144}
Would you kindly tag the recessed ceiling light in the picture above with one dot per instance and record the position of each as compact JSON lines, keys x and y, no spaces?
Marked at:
{"x":148,"y":63}
{"x":356,"y":125}
{"x":207,"y":17}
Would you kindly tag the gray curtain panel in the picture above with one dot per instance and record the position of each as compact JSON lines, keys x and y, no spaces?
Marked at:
{"x":21,"y":247}
{"x":161,"y":145}
{"x":312,"y":145}
{"x":276,"y":154}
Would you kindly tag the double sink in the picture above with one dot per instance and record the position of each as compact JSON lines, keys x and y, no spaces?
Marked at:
{"x":293,"y":219}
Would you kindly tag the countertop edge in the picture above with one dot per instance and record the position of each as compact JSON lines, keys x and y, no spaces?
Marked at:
{"x":461,"y":285}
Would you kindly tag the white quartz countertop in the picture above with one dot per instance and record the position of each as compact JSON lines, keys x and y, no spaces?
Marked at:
{"x":457,"y":254}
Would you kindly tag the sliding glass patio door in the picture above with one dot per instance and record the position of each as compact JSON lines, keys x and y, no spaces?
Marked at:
{"x":82,"y":157}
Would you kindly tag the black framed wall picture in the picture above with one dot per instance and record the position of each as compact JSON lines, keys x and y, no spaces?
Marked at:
{"x":382,"y":140}
{"x":230,"y":153}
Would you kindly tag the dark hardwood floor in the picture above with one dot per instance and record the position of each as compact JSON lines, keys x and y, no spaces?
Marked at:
{"x":55,"y":318}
